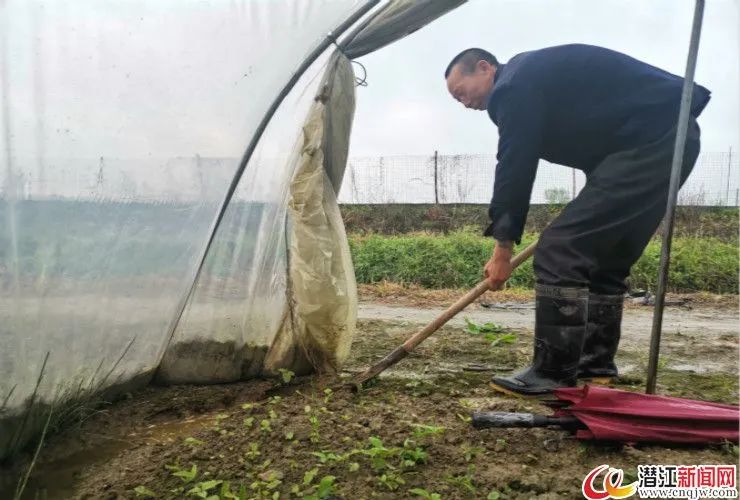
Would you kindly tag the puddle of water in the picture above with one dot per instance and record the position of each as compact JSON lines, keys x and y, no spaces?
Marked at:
{"x":57,"y":479}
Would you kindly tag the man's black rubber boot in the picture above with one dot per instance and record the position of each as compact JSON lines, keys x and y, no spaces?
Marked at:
{"x":560,"y":327}
{"x":603,"y":330}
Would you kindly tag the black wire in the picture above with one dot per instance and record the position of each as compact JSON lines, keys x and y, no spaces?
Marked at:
{"x":361,"y":82}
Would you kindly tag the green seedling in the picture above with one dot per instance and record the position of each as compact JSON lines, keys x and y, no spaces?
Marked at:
{"x":201,"y":490}
{"x":411,"y":457}
{"x":286,"y":375}
{"x":193,"y":441}
{"x":265,"y":426}
{"x":266,"y":464}
{"x":422,"y":431}
{"x":328,"y":393}
{"x":477,"y":329}
{"x":467,"y":404}
{"x":249,"y":422}
{"x":266,"y":488}
{"x":273,"y":400}
{"x":465,"y":418}
{"x":328,"y":457}
{"x":471,"y":452}
{"x":315,"y":436}
{"x":493,"y":333}
{"x":496,"y":339}
{"x":143,"y":491}
{"x":494,"y":495}
{"x":272,"y":414}
{"x":226,"y":492}
{"x":247,"y":406}
{"x":731,"y":449}
{"x":184,"y":474}
{"x":254,"y":451}
{"x":266,"y":485}
{"x":309,"y":476}
{"x":500,"y":445}
{"x":465,"y":481}
{"x":354,"y":467}
{"x":391,"y":480}
{"x":289,"y":436}
{"x":420,"y":492}
{"x":324,"y":489}
{"x":379,"y":454}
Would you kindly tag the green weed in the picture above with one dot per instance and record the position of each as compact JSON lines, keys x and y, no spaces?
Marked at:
{"x":491,"y":332}
{"x":422,"y":430}
{"x":201,"y":490}
{"x":391,"y":480}
{"x":420,"y":492}
{"x":143,"y":491}
{"x":286,"y":375}
{"x":464,"y":481}
{"x":187,"y":475}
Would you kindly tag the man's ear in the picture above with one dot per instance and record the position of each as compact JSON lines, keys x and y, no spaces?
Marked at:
{"x":483,"y":66}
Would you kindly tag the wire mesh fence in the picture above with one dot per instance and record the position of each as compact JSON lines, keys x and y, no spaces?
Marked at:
{"x":715,"y":180}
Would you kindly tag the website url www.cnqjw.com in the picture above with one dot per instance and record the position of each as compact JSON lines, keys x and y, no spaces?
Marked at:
{"x":691,"y":493}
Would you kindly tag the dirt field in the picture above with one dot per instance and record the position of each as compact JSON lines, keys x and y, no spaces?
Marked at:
{"x":310,"y":438}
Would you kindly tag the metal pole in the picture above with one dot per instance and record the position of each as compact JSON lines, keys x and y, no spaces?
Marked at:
{"x":436,"y":184}
{"x":678,"y":152}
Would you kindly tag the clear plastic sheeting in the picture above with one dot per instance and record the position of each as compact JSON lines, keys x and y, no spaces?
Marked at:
{"x":120,"y":128}
{"x":323,"y":286}
{"x":278,"y":288}
{"x":242,"y":297}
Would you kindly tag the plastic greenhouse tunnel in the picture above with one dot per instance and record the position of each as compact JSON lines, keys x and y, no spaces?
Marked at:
{"x":169,"y":209}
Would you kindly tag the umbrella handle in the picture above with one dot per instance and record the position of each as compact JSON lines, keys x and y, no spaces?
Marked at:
{"x":498,"y":419}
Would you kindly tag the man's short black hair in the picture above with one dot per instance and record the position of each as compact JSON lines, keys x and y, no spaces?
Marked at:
{"x":468,"y":58}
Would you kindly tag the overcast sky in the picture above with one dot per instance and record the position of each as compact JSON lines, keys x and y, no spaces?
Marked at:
{"x":163,"y":79}
{"x":405,"y":109}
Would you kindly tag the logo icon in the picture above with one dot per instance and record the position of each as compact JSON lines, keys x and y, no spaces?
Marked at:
{"x":611,"y":486}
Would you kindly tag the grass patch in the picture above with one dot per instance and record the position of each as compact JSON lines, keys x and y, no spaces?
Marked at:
{"x":456,"y":261}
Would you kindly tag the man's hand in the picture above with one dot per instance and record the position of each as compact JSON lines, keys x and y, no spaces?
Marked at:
{"x":498,"y":269}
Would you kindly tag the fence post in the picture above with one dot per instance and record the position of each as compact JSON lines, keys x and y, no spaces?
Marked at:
{"x":729,"y":169}
{"x":436,"y":182}
{"x":573,"y":196}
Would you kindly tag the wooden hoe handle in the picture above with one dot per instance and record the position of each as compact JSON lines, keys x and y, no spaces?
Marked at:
{"x":404,"y":349}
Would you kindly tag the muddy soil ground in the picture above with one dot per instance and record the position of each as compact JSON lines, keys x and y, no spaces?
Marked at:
{"x":309,"y":438}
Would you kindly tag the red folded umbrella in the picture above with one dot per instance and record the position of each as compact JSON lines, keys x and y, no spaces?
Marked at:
{"x":615,"y":415}
{"x":597,"y":412}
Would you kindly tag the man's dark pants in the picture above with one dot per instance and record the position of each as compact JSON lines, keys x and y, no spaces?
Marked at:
{"x":597,"y":238}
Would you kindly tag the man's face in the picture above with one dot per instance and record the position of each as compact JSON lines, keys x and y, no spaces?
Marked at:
{"x":472,"y":89}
